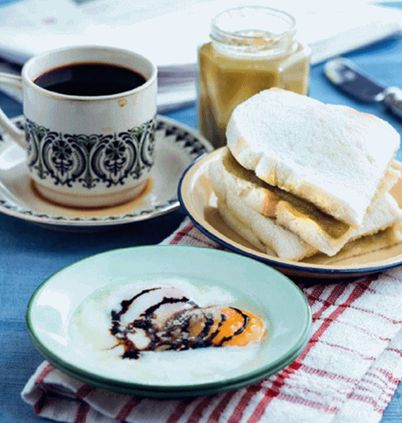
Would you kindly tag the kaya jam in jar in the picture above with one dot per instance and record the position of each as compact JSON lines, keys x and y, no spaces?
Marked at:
{"x":251,"y":49}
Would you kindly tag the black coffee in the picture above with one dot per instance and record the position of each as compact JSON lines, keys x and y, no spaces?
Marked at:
{"x":90,"y":79}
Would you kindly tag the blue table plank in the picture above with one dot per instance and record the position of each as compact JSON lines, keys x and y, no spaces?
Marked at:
{"x":28,"y":253}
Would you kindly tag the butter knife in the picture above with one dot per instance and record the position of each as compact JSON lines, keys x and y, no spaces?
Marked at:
{"x":344,"y":74}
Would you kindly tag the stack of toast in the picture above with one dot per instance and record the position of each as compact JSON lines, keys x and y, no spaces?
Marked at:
{"x":300,"y":178}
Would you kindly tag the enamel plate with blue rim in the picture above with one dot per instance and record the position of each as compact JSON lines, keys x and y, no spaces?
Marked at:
{"x":198,"y":199}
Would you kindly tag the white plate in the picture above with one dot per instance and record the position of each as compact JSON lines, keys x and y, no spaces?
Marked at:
{"x":177,"y":146}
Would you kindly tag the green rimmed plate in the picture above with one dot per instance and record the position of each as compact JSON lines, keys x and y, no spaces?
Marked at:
{"x":256,"y":287}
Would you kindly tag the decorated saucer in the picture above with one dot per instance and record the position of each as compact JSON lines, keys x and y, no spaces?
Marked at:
{"x":177,"y":146}
{"x":199,"y":200}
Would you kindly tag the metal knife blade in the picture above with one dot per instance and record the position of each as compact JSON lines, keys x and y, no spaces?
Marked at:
{"x":344,"y":74}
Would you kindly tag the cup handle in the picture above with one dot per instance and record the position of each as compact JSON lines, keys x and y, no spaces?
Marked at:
{"x":16,"y":134}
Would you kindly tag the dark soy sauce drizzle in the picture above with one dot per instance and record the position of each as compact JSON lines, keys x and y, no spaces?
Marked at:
{"x":90,"y":79}
{"x":175,"y":335}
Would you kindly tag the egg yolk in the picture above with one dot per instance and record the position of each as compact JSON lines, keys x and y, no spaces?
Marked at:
{"x":163,"y":319}
{"x":231,"y":327}
{"x":231,"y":333}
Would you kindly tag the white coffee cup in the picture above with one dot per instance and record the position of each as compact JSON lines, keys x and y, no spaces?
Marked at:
{"x":86,"y":151}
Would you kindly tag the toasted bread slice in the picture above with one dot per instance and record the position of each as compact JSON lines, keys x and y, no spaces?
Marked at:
{"x":264,"y":234}
{"x":316,"y":228}
{"x":365,"y":245}
{"x":260,"y":231}
{"x":241,"y":229}
{"x":284,"y":243}
{"x":331,"y":156}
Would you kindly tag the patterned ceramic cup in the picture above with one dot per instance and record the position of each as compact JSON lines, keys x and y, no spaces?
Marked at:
{"x":86,"y":151}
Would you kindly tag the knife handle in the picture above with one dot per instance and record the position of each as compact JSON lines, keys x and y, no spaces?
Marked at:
{"x":393,"y":100}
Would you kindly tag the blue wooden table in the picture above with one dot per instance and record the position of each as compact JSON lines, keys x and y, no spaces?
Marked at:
{"x":29,"y":254}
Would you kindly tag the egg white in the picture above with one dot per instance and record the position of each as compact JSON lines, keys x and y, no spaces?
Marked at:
{"x":91,"y":340}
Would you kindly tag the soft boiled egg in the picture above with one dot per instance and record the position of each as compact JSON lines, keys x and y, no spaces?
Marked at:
{"x":164,"y":318}
{"x":168,"y":331}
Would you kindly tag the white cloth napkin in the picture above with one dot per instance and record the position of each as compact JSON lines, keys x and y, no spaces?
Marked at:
{"x":348,"y":372}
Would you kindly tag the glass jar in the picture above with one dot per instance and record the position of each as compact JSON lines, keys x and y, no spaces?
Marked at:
{"x":251,"y":49}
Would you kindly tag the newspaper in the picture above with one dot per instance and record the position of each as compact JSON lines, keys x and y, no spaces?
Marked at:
{"x":169,"y":31}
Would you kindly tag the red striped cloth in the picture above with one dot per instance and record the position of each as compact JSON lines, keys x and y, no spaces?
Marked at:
{"x":348,"y":372}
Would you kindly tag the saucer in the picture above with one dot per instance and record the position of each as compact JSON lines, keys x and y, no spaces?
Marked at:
{"x":252,"y":285}
{"x":198,"y":199}
{"x":177,"y":146}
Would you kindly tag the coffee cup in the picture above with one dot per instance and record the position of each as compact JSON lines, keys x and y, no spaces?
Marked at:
{"x":89,"y":123}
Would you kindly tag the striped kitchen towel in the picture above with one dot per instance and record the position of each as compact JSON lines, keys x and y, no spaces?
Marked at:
{"x":347,"y":373}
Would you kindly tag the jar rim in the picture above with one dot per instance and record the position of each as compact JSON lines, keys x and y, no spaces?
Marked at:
{"x":216,"y":29}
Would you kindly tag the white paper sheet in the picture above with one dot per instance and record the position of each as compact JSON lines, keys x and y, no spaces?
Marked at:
{"x":169,"y":31}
